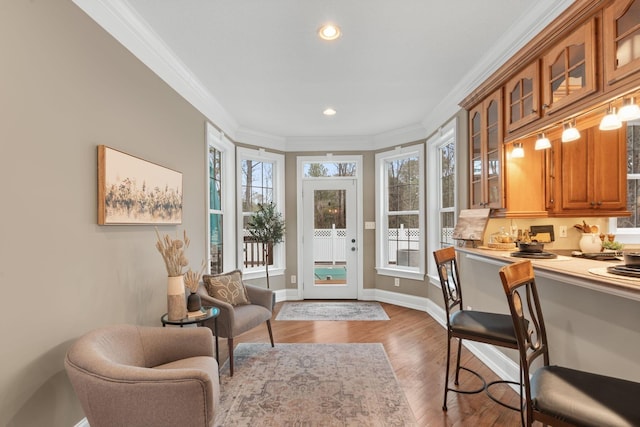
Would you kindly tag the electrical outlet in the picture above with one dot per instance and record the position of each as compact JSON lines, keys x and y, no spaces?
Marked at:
{"x":293,"y":279}
{"x":396,"y":281}
{"x":469,"y":307}
{"x":562,"y":231}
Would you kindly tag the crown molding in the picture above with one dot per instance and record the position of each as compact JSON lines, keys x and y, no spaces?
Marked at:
{"x":411,"y":133}
{"x":260,"y":139}
{"x":119,"y":19}
{"x":329,"y":143}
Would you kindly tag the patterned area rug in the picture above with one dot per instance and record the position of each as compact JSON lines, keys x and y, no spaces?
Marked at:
{"x":312,"y":385}
{"x":332,"y":311}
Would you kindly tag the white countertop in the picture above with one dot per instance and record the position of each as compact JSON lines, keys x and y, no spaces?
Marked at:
{"x":582,"y":272}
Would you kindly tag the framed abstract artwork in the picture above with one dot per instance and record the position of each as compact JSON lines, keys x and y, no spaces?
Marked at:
{"x":134,"y":191}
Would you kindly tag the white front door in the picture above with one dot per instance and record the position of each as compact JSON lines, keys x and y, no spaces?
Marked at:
{"x":330,"y":239}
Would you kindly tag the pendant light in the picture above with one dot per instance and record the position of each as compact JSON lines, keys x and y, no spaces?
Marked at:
{"x":629,"y":110}
{"x":542,"y":142}
{"x":570,"y":132}
{"x":518,"y":151}
{"x":610,"y":121}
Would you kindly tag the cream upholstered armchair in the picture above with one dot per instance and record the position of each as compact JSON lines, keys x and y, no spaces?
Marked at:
{"x":242,"y":306}
{"x":128,"y":375}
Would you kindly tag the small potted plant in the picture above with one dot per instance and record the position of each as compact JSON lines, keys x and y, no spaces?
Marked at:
{"x":267,"y":226}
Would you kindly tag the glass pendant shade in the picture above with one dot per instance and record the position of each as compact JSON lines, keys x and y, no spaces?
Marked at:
{"x":629,"y":110}
{"x":570,"y":132}
{"x":610,"y":121}
{"x":542,"y":142}
{"x":518,"y":150}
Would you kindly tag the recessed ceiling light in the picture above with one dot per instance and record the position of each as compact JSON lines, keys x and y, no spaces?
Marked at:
{"x":329,"y":112}
{"x":329,"y":32}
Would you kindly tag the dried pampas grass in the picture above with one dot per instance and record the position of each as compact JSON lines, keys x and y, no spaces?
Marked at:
{"x":192,"y":279}
{"x":172,"y":252}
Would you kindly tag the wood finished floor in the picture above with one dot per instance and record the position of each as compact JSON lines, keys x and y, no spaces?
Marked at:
{"x":416,"y":346}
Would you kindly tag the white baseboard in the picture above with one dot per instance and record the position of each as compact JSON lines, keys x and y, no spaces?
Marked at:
{"x":82,"y":423}
{"x":504,"y":367}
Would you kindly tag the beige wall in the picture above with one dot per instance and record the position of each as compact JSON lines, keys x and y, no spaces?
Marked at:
{"x":65,"y":87}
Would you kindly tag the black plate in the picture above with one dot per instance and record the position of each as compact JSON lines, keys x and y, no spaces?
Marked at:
{"x":602,"y":256}
{"x":534,"y":255}
{"x":624,"y":270}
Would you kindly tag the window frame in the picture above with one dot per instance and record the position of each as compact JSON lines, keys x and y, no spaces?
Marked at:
{"x":217,"y":140}
{"x":626,"y":235}
{"x":446,"y":135}
{"x":382,"y":217}
{"x":279,"y":263}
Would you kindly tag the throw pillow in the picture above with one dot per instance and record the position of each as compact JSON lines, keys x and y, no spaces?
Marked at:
{"x":227,"y":287}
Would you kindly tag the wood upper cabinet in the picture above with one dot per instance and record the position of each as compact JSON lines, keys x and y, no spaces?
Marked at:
{"x":568,"y":69}
{"x":588,"y":176}
{"x":524,"y":181}
{"x":522,"y":97}
{"x":621,"y":41}
{"x":485,"y":148}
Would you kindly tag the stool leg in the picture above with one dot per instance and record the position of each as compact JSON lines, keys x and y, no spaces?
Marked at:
{"x":458,"y":360}
{"x":446,"y":377}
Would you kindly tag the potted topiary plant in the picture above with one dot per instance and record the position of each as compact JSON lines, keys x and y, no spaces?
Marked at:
{"x":266,"y":226}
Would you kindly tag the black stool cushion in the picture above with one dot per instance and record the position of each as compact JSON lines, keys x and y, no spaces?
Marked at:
{"x":584,"y":398}
{"x":484,"y":326}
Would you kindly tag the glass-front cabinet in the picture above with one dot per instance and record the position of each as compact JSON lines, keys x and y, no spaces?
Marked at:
{"x":568,"y":69}
{"x":522,"y":97}
{"x":621,"y":40}
{"x":485,"y":131}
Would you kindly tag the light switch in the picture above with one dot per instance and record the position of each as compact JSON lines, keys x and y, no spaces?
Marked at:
{"x":369,"y":225}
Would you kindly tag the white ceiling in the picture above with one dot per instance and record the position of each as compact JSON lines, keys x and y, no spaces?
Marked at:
{"x":258,"y":70}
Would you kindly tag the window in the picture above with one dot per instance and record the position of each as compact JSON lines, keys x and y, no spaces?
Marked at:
{"x":447,"y":192}
{"x":260,"y":180}
{"x":627,"y":229}
{"x":441,"y":170}
{"x":220,"y":199}
{"x":400,"y":212}
{"x":329,"y":169}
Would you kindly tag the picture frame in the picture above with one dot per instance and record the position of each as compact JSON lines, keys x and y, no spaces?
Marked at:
{"x":135,"y":191}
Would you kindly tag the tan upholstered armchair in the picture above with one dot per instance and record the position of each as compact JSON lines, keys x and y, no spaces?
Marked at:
{"x":238,"y":319}
{"x":129,"y":375}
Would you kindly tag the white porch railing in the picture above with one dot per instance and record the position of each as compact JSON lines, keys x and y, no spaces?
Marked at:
{"x":330,"y":245}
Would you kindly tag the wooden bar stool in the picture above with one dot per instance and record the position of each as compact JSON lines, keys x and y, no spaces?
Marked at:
{"x":556,"y":395}
{"x":491,"y":328}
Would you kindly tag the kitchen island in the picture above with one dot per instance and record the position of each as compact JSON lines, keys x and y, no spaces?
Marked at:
{"x":592,"y":317}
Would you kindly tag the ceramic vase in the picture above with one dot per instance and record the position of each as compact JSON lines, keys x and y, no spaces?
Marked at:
{"x":194,"y":303}
{"x":590,"y":243}
{"x":176,"y":301}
